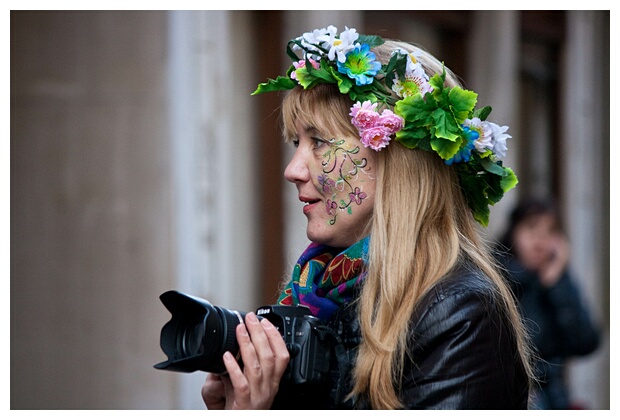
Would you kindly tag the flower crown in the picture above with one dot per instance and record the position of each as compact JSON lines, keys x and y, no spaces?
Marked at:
{"x":426,"y":114}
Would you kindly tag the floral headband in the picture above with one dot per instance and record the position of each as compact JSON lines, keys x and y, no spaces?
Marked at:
{"x":426,"y":114}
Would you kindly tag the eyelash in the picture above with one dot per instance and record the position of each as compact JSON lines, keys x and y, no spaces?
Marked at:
{"x":318,"y":142}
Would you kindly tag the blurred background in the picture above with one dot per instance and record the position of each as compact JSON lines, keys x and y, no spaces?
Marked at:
{"x":140,"y":163}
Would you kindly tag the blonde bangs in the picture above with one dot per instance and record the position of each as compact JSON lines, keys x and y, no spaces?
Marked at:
{"x":307,"y":108}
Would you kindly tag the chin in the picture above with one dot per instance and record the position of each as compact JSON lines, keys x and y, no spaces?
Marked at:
{"x":330,"y":240}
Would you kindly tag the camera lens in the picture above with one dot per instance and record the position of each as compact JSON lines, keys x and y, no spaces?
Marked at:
{"x":190,"y":340}
{"x":198,"y":334}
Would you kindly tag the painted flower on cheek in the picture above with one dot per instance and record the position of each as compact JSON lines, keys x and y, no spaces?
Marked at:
{"x":330,"y":207}
{"x":327,"y":183}
{"x":357,"y":195}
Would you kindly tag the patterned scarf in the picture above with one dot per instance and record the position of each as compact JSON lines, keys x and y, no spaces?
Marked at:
{"x":324,"y":277}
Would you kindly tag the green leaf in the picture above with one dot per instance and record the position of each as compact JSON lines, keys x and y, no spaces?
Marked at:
{"x":309,"y":77}
{"x":445,"y":127}
{"x":371,"y":40}
{"x":475,"y":191}
{"x":462,"y":103}
{"x":325,"y":72}
{"x":362,"y":96}
{"x":280,"y":83}
{"x":445,"y":148}
{"x":396,"y":66}
{"x":437,"y":82}
{"x":289,"y":50}
{"x":344,"y":83}
{"x":412,"y":138}
{"x":482,"y":216}
{"x":509,"y":180}
{"x":492,"y":167}
{"x":416,"y":110}
{"x":483,"y":113}
{"x":494,"y":190}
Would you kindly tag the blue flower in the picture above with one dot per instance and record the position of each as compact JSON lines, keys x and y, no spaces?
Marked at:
{"x":464,"y":153}
{"x":360,"y":65}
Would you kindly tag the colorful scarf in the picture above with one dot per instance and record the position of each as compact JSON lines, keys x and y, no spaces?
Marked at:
{"x":324,"y":278}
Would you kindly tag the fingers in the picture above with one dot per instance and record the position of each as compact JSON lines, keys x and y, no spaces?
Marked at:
{"x":213,"y":392}
{"x":255,"y":349}
{"x":279,"y":351}
{"x":239,"y":392}
{"x":265,"y":359}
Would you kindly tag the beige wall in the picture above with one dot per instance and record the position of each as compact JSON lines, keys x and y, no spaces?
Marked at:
{"x":132,"y":173}
{"x":90,"y":210}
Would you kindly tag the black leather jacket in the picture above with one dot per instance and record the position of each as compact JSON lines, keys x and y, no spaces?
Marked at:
{"x":463,"y":355}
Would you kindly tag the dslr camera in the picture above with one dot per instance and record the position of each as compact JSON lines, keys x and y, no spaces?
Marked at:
{"x":198,"y":335}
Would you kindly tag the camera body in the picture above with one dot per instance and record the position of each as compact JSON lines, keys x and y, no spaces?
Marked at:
{"x":198,"y":335}
{"x":308,"y":345}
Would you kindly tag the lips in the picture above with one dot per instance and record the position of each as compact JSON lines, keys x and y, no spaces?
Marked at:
{"x":310,"y":203}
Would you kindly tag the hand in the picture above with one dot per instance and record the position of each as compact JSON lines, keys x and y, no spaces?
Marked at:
{"x":214,"y":391}
{"x":555,"y":265}
{"x":265,"y":358}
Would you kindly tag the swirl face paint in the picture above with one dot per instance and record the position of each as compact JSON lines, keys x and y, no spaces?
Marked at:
{"x":341,"y":176}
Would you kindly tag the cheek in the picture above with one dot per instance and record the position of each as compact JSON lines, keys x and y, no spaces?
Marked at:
{"x":347,"y":179}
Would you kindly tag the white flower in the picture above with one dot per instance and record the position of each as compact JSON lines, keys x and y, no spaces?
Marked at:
{"x":310,"y":40}
{"x":339,"y":46}
{"x":412,"y":60}
{"x":485,"y":135}
{"x":490,"y":136}
{"x":416,"y":81}
{"x":499,"y":139}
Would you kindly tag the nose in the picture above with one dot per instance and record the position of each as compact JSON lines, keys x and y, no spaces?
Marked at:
{"x":297,"y":169}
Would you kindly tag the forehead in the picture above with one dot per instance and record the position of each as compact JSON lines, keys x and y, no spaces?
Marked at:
{"x":540,"y":221}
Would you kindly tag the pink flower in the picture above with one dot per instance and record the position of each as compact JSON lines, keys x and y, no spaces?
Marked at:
{"x":358,"y":106}
{"x":364,"y":115}
{"x":375,"y":129}
{"x":392,"y":121}
{"x":357,"y":195}
{"x":330,"y":207}
{"x":376,"y":137}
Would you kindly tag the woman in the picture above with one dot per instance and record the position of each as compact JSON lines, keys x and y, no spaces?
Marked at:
{"x":395,"y":168}
{"x":561,"y":326}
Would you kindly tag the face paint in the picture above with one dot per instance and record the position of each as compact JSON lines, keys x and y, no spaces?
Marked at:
{"x":335,"y":181}
{"x":340,"y":170}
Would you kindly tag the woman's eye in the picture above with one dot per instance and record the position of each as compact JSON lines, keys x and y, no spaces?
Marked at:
{"x":318,"y":142}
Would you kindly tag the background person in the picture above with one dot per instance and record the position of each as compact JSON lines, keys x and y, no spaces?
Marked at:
{"x":558,"y":320}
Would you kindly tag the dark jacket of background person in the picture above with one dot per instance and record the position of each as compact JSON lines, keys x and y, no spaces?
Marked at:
{"x":556,"y":316}
{"x":560,"y":327}
{"x":462,"y":356}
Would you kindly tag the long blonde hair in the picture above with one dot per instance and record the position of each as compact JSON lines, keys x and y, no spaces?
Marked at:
{"x":420,"y":230}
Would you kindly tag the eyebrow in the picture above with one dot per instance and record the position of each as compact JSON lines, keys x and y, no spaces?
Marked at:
{"x":310,"y":130}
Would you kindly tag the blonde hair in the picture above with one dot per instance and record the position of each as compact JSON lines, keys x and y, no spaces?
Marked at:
{"x":420,"y":230}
